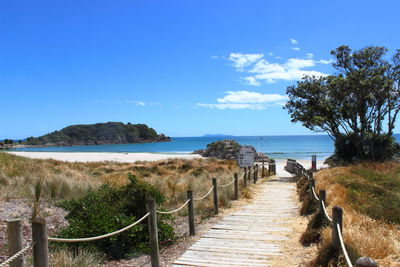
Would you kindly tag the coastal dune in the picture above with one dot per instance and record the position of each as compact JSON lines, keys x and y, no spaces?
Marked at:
{"x":103,"y":156}
{"x":134,"y":157}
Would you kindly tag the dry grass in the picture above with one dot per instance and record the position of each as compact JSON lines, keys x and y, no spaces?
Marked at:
{"x":348,"y":187}
{"x":66,"y":180}
{"x":83,"y":258}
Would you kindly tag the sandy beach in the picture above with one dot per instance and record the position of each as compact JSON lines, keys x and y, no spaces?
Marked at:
{"x":101,"y":156}
{"x":134,"y":157}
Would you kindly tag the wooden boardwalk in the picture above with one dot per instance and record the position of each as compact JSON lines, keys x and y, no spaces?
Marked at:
{"x":250,"y":236}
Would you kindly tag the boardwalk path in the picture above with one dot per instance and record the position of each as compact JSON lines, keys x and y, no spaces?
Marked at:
{"x":251,"y":236}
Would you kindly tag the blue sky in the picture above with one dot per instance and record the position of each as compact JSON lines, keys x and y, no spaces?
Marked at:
{"x":185,"y":68}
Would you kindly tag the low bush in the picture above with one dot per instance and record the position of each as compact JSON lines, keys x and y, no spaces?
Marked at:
{"x":108,"y":209}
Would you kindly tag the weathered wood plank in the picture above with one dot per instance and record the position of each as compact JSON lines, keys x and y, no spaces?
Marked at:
{"x":251,"y":236}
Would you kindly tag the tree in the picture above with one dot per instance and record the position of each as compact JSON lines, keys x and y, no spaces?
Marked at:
{"x":357,"y":106}
{"x":8,"y":141}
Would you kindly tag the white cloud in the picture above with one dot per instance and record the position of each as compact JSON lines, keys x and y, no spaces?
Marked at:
{"x":298,"y":63}
{"x":293,"y":41}
{"x":246,"y":100}
{"x":240,"y":61}
{"x":292,"y":69}
{"x":251,"y":81}
{"x":137,"y":103}
{"x":232,"y":106}
{"x":295,"y":48}
{"x":215,"y":57}
{"x":323,"y":61}
{"x":250,"y":97}
{"x":259,"y":69}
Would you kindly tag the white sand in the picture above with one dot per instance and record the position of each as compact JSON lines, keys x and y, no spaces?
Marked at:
{"x":133,"y":157}
{"x":281,"y":163}
{"x":102,"y":156}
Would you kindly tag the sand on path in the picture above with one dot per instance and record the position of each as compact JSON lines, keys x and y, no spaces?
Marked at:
{"x":103,"y":156}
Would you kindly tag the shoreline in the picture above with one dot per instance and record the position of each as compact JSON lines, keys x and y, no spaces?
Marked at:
{"x":103,"y":156}
{"x":125,"y":157}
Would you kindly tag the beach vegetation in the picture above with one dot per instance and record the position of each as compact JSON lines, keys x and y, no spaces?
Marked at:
{"x":357,"y":106}
{"x":71,"y":180}
{"x":77,"y":258}
{"x":369,"y":194}
{"x":107,"y":209}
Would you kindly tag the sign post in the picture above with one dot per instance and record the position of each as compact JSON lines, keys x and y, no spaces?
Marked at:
{"x":246,"y":156}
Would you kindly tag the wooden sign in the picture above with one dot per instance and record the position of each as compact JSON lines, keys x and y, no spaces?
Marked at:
{"x":246,"y":156}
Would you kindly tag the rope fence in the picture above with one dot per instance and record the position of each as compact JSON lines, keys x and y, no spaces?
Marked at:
{"x":175,"y":210}
{"x":206,"y":195}
{"x":228,"y":184}
{"x":346,"y":256}
{"x":40,"y":238}
{"x":15,"y":256}
{"x":86,"y":239}
{"x":337,"y":213}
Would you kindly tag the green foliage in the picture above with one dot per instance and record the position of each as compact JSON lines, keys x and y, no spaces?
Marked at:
{"x":352,"y":105}
{"x":8,"y":141}
{"x":374,"y":193}
{"x":108,"y":209}
{"x":99,"y":133}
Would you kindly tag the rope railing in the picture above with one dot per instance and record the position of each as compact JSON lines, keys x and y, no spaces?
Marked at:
{"x":175,"y":210}
{"x":346,"y":256}
{"x":15,"y":256}
{"x":315,"y":195}
{"x":228,"y":184}
{"x":71,"y":240}
{"x":206,"y":195}
{"x":337,"y":212}
{"x":40,"y":238}
{"x":326,"y":212}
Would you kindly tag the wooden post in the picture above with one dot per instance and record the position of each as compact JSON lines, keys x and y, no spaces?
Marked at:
{"x":245,"y":176}
{"x":255,"y":174}
{"x":337,"y":217}
{"x":236,"y":189}
{"x":274,"y":168}
{"x":269,"y":168}
{"x":312,"y":184}
{"x":314,"y":162}
{"x":40,"y":243}
{"x":263,"y":170}
{"x":191,"y":213}
{"x":322,"y":197}
{"x":249,"y":173}
{"x":214,"y":181}
{"x":14,"y":233}
{"x":153,"y":235}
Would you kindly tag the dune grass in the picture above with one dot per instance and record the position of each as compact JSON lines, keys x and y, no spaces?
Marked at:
{"x":67,"y":180}
{"x":369,"y":194}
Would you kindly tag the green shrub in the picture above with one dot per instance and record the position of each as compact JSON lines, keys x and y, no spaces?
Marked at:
{"x":375,"y":147}
{"x":108,"y":209}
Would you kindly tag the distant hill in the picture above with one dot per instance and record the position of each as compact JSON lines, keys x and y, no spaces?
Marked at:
{"x":99,"y":134}
{"x":218,"y":135}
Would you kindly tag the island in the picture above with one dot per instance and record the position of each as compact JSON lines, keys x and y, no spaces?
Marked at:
{"x":99,"y":134}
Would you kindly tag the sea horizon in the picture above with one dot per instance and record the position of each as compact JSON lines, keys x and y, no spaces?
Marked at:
{"x":274,"y":146}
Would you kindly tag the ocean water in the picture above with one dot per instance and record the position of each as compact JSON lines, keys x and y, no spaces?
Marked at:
{"x":277,"y":147}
